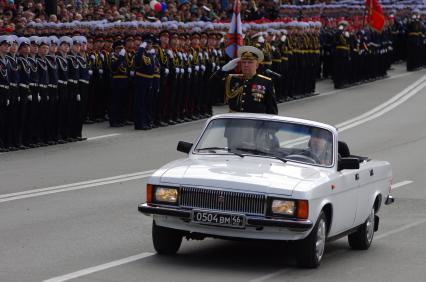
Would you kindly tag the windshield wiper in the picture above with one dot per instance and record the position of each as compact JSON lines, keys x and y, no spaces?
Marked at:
{"x":220,"y":148}
{"x":262,"y":153}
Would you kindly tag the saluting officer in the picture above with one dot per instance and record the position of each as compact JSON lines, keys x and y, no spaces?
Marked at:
{"x":249,"y":91}
{"x":119,"y":85}
{"x":144,"y":73}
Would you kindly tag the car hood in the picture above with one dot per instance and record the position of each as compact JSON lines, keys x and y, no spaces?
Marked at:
{"x":253,"y":174}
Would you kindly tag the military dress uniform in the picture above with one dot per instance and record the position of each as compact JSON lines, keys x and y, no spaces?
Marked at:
{"x":15,"y":141}
{"x":4,"y":103}
{"x":53,"y":105}
{"x":254,"y":95}
{"x":144,"y":73}
{"x":119,"y":89}
{"x":43,"y":107}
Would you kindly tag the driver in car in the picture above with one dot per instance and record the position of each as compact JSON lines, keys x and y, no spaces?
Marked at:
{"x":320,"y":146}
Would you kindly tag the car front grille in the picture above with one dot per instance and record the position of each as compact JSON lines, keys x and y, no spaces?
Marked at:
{"x":247,"y":203}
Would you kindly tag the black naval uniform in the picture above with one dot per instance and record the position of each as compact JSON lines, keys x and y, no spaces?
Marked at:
{"x":254,"y":95}
{"x":14,"y":129}
{"x":4,"y":102}
{"x":52,"y":67}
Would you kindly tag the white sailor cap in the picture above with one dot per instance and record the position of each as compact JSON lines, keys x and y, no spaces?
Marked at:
{"x":65,"y":39}
{"x":23,"y":41}
{"x":5,"y":39}
{"x":76,"y":40}
{"x":13,"y":38}
{"x":53,"y":40}
{"x":44,"y":41}
{"x":34,"y":40}
{"x":83,"y":39}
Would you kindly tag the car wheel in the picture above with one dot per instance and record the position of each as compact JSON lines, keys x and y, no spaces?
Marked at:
{"x":362,"y":238}
{"x":166,"y":241}
{"x":311,"y":249}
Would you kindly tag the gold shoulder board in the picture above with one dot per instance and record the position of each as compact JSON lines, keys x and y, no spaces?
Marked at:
{"x":264,"y":77}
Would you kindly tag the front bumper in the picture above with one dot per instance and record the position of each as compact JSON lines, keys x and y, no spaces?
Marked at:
{"x":297,"y":225}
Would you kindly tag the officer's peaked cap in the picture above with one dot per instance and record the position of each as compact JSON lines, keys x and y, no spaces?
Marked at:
{"x":23,"y":41}
{"x":250,"y":52}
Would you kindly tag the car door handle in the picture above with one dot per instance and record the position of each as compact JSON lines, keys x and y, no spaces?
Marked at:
{"x":357,"y":176}
{"x":371,"y":172}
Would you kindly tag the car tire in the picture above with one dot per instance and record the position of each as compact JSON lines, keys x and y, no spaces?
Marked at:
{"x":362,"y":238}
{"x":166,"y":241}
{"x":311,"y":249}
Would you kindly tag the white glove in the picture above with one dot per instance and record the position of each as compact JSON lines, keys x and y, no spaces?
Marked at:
{"x":19,"y":99}
{"x":182,"y":71}
{"x":143,"y":45}
{"x":101,"y":71}
{"x":180,"y":55}
{"x":189,"y":70}
{"x":122,"y":52}
{"x":170,"y":53}
{"x":231,"y":64}
{"x":30,"y":98}
{"x":197,"y":68}
{"x":92,"y":57}
{"x":220,"y":52}
{"x":90,"y":72}
{"x":102,"y":56}
{"x":346,"y":34}
{"x":273,"y":48}
{"x":184,"y":57}
{"x":261,"y":39}
{"x":200,"y":55}
{"x":214,"y":65}
{"x":206,"y":55}
{"x":177,"y":70}
{"x":78,"y":97}
{"x":38,"y":97}
{"x":217,"y":67}
{"x":132,"y":73}
{"x":214,"y":52}
{"x":166,"y":71}
{"x":191,"y":57}
{"x":151,"y":51}
{"x":203,"y":68}
{"x":7,"y":102}
{"x":47,"y":98}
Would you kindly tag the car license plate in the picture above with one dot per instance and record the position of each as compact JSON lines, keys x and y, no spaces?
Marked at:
{"x":221,"y":219}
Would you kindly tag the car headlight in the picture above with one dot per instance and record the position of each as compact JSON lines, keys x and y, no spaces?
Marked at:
{"x":283,"y":207}
{"x":166,"y":194}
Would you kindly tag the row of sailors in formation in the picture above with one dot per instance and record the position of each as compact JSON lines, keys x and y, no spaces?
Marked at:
{"x":51,"y":86}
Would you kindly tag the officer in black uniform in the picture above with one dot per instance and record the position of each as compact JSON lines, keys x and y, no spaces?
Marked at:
{"x":249,"y":91}
{"x":144,"y":73}
{"x":119,"y":85}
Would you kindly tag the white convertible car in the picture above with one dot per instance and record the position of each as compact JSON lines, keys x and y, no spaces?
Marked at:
{"x":267,"y":177}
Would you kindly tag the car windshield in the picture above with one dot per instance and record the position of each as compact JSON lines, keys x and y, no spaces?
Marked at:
{"x":282,"y":140}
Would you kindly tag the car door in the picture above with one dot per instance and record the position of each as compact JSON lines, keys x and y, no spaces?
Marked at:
{"x":345,"y":200}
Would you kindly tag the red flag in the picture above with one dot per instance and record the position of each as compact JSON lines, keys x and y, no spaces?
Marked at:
{"x":375,"y":15}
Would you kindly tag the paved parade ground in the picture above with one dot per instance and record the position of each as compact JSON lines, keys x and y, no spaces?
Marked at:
{"x":70,"y":211}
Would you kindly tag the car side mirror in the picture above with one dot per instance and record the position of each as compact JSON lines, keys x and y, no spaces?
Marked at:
{"x":184,"y":147}
{"x":348,"y":163}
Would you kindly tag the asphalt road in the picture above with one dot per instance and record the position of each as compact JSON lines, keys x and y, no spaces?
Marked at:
{"x":71,"y":209}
